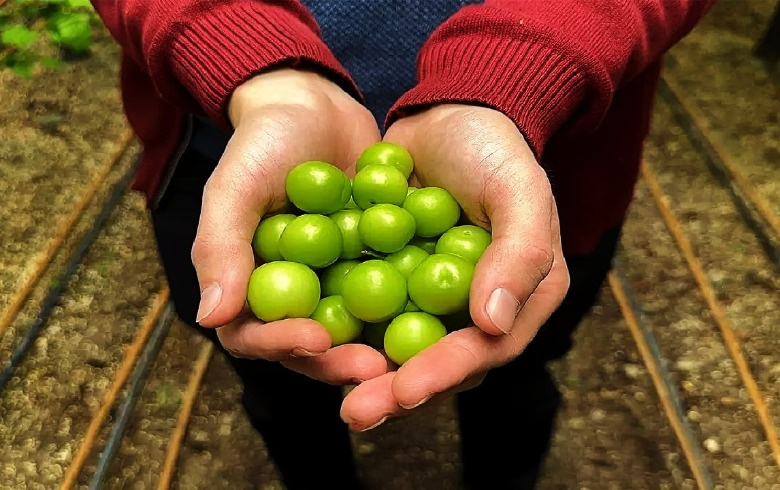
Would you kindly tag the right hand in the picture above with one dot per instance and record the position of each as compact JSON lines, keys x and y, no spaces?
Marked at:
{"x":281,"y":118}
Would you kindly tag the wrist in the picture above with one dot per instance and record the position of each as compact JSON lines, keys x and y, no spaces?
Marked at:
{"x":453,"y":117}
{"x":281,"y":86}
{"x":472,"y":126}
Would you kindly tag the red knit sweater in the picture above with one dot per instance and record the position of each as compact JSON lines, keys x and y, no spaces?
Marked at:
{"x":576,"y":76}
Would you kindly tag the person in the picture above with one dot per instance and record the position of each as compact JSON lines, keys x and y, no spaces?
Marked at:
{"x":531,"y":113}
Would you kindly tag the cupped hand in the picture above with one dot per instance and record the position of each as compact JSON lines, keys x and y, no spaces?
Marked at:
{"x":281,"y":118}
{"x":479,"y":155}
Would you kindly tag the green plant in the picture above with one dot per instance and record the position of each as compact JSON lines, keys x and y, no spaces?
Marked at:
{"x":29,"y":29}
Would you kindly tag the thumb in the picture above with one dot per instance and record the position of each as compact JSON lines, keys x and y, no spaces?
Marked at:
{"x":237,"y":194}
{"x":521,"y":254}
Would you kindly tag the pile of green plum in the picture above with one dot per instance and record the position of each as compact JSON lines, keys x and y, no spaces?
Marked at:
{"x":372,"y":259}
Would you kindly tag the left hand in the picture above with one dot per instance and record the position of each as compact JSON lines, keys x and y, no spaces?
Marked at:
{"x":479,"y":156}
{"x":282,"y":117}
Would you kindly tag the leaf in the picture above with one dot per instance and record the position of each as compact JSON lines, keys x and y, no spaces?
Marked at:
{"x":23,"y":68}
{"x":75,"y":4}
{"x":18,"y":36}
{"x":72,"y":31}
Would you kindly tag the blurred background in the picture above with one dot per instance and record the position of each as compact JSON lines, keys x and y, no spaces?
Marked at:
{"x":674,"y":381}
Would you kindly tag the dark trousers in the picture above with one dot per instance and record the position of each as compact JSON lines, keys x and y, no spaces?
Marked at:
{"x":514,"y":408}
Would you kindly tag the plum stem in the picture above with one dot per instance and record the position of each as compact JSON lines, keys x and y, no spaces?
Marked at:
{"x":371,"y":253}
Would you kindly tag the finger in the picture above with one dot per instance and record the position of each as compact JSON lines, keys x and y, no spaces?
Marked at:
{"x":237,"y":194}
{"x":471,"y":351}
{"x":520,"y":208}
{"x":341,"y":365}
{"x":249,"y":338}
{"x":368,"y":405}
{"x":550,"y":293}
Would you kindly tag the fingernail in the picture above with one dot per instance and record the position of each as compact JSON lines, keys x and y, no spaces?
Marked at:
{"x":415,"y":405}
{"x":209,"y":300}
{"x":298,"y":352}
{"x":381,"y":421}
{"x":502,"y":309}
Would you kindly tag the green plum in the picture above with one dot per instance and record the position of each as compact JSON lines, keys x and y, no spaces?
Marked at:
{"x":434,"y":210}
{"x":410,"y":306}
{"x":311,"y":239}
{"x":386,"y":153}
{"x":409,"y":333}
{"x":347,"y":220}
{"x":266,"y":239}
{"x":467,"y":241}
{"x":386,"y":228}
{"x":351,"y":203}
{"x":440,"y":284}
{"x":427,"y":244}
{"x":281,"y":289}
{"x":406,"y":259}
{"x":318,"y":187}
{"x":374,"y":291}
{"x":332,"y":276}
{"x":379,"y":184}
{"x":342,"y":325}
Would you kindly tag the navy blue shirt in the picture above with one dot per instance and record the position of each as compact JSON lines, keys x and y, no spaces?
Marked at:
{"x":377,"y":41}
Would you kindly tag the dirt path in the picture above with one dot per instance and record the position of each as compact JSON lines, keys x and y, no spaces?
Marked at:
{"x":60,"y":132}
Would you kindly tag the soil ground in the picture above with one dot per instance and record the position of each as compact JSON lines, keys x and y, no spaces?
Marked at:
{"x":60,"y":129}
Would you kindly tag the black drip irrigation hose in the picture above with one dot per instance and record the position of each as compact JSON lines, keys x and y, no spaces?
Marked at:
{"x":53,"y":296}
{"x":134,"y":389}
{"x":701,"y":143}
{"x":646,"y":331}
{"x":768,"y":48}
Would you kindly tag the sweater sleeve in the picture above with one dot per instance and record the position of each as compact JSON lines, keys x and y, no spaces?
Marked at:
{"x":198,"y":51}
{"x":545,"y":63}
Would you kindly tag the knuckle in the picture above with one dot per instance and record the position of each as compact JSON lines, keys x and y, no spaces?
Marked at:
{"x":535,"y":262}
{"x":539,"y":258}
{"x":308,"y":98}
{"x":206,"y":245}
{"x":218,"y":250}
{"x":230,"y":340}
{"x":200,"y":249}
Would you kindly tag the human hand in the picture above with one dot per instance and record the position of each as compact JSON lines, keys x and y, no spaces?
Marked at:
{"x":484,"y":161}
{"x":281,"y":118}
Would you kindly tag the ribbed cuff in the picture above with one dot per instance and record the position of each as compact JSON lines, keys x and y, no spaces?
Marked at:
{"x":224,"y":46}
{"x":530,"y":83}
